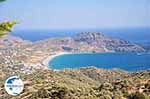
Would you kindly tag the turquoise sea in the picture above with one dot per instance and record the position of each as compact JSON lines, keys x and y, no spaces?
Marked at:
{"x":126,"y":61}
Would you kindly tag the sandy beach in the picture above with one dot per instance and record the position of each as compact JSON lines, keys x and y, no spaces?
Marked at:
{"x":49,"y":58}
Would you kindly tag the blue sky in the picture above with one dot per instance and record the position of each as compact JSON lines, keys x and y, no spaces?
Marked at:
{"x":76,"y":14}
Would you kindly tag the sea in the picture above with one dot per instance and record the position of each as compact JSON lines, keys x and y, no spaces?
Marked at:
{"x":125,"y":61}
{"x":138,"y":35}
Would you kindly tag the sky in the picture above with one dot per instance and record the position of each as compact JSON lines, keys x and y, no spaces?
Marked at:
{"x":76,"y":14}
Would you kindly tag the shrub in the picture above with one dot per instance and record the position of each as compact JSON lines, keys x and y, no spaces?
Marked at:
{"x":138,"y":96}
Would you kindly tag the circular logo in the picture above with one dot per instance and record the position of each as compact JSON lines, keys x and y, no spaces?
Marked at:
{"x":14,"y":85}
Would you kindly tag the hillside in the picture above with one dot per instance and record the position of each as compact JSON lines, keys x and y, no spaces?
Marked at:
{"x":90,"y":42}
{"x":82,"y":42}
{"x":114,"y":44}
{"x":24,"y":58}
{"x":84,"y":83}
{"x":12,"y":41}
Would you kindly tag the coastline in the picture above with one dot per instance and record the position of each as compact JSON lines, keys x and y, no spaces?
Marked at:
{"x":55,"y":54}
{"x":46,"y":61}
{"x":49,"y":58}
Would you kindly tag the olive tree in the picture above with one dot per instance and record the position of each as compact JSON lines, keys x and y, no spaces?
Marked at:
{"x":6,"y":27}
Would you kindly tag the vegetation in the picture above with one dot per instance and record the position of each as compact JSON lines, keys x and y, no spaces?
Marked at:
{"x":6,"y":27}
{"x":80,"y":84}
{"x":83,"y":83}
{"x":2,"y":0}
{"x":138,"y":96}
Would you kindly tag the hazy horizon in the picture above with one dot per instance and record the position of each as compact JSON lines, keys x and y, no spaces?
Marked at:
{"x":85,"y":14}
{"x":139,"y":35}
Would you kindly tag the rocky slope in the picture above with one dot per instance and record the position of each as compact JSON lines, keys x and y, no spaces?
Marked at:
{"x":98,"y":39}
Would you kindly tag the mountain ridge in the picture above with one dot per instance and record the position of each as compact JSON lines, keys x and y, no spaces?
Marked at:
{"x":82,"y":42}
{"x":92,"y":42}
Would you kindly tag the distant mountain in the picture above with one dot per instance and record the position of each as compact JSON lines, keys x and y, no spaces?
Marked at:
{"x":82,"y":42}
{"x":114,"y":44}
{"x":89,"y":42}
{"x":11,"y":41}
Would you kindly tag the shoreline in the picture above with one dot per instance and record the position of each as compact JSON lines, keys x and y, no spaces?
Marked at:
{"x":46,"y":61}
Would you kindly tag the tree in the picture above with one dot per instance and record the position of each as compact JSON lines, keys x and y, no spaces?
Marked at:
{"x":6,"y":27}
{"x":2,"y":0}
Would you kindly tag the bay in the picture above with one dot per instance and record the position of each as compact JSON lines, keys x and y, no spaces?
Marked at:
{"x":125,"y":61}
